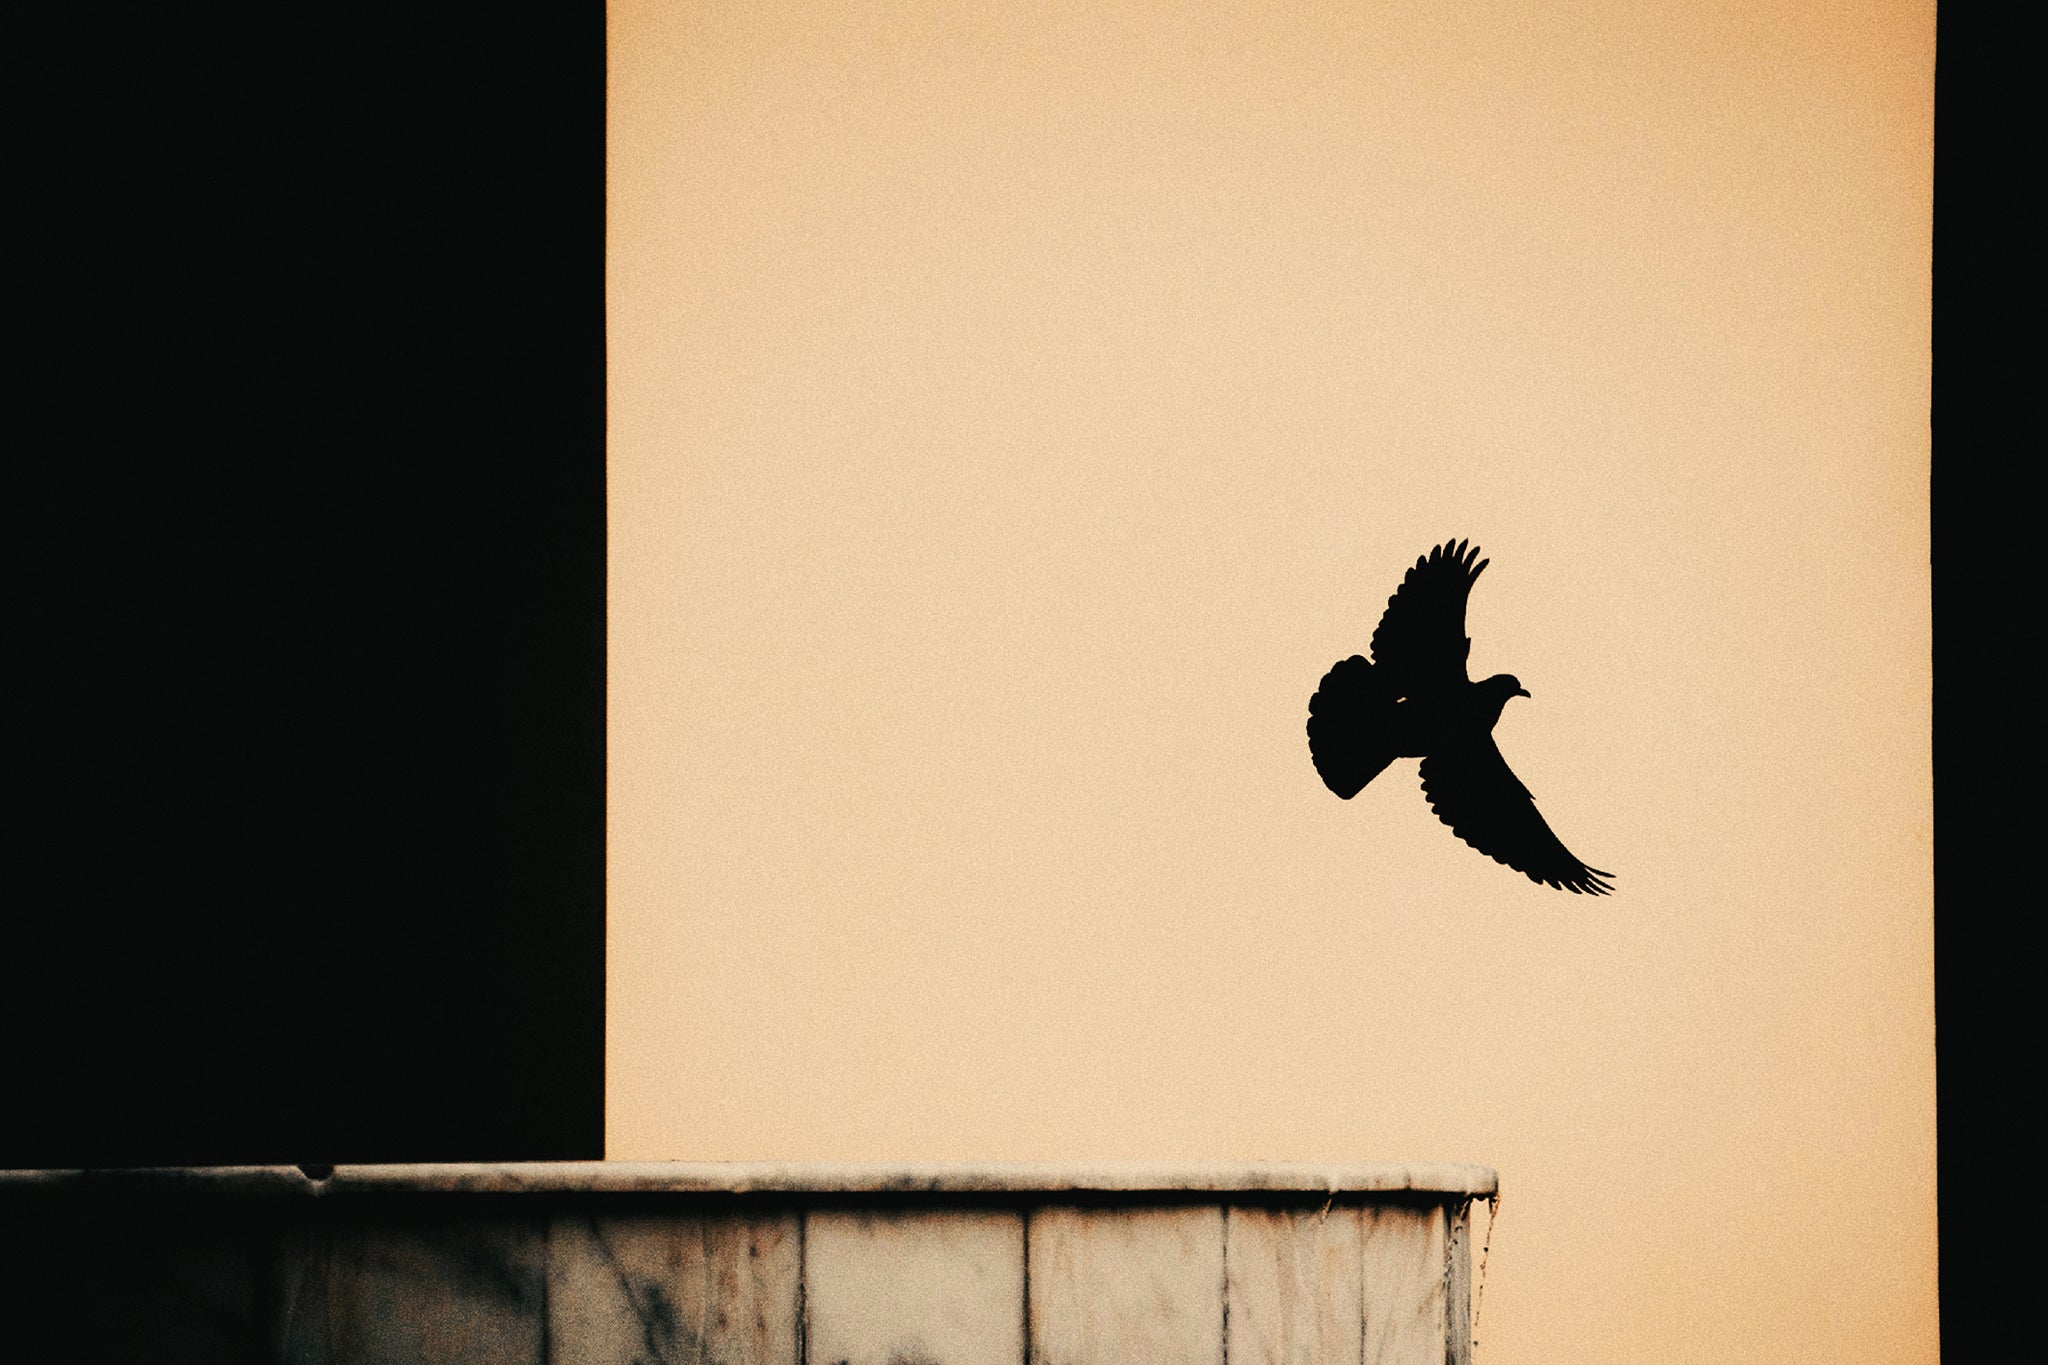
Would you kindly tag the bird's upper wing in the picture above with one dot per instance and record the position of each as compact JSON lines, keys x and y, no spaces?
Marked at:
{"x":1472,"y":790}
{"x":1420,"y":644}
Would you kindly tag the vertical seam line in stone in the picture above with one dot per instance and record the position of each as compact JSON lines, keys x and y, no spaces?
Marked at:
{"x":1362,"y":1262}
{"x":1225,"y":1343}
{"x":1454,"y":1217}
{"x":1024,"y":1224}
{"x":803,"y":1286}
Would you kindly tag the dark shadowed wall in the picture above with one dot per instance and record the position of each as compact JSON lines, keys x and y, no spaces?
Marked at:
{"x":309,"y":671}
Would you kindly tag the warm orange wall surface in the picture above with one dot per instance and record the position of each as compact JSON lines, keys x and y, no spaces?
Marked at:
{"x":1015,"y":409}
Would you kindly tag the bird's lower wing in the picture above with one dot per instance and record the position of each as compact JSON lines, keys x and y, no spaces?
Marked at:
{"x":1473,"y":791}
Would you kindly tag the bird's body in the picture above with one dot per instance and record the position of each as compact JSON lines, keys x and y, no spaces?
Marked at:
{"x":1413,"y":700}
{"x":1423,"y":725}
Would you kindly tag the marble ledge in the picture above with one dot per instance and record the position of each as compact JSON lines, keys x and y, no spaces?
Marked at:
{"x":1050,"y":1179}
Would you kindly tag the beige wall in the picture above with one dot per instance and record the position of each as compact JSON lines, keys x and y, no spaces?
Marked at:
{"x":1015,"y":409}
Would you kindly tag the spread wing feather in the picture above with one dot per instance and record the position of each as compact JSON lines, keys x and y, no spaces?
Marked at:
{"x":1420,"y":644}
{"x":1472,"y":790}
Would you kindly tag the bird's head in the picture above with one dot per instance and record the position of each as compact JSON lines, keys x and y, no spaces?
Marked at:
{"x":1500,"y":687}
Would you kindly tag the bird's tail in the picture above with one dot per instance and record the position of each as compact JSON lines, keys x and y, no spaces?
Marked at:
{"x":1350,"y":726}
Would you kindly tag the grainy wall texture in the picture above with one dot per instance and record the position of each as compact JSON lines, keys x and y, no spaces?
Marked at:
{"x":1013,"y":410}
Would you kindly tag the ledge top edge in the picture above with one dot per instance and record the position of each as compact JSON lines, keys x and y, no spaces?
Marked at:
{"x":1051,"y":1178}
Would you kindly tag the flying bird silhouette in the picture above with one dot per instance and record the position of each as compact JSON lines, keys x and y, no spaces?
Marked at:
{"x":1413,"y":700}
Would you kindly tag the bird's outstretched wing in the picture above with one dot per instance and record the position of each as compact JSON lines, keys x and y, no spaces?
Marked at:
{"x":1420,"y":644}
{"x":1472,"y":790}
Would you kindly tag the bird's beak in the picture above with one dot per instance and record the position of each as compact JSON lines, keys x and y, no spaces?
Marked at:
{"x":1523,"y":692}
